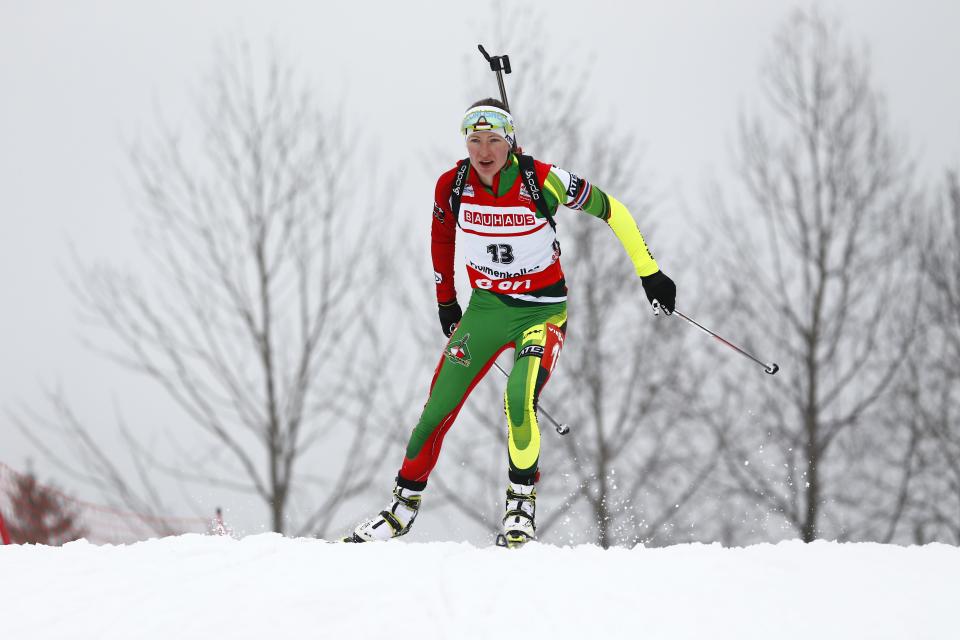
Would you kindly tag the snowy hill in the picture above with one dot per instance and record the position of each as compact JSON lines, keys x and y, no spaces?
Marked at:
{"x":267,"y":586}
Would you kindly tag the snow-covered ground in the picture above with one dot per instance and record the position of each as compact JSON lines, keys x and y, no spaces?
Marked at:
{"x":266,"y":586}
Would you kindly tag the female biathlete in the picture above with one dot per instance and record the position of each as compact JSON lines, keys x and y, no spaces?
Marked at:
{"x":503,"y":203}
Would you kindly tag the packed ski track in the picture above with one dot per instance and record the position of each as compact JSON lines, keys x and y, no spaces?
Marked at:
{"x":267,"y":586}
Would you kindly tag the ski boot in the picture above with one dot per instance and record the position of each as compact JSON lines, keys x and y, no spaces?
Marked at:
{"x":392,"y":522}
{"x":518,"y":522}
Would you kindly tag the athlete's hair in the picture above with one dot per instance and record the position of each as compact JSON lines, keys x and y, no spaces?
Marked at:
{"x":489,"y":102}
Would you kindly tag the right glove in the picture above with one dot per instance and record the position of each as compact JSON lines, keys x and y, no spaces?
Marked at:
{"x":450,"y":315}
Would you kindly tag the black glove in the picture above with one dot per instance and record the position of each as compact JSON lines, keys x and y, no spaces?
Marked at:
{"x":450,"y":315}
{"x":659,"y":287}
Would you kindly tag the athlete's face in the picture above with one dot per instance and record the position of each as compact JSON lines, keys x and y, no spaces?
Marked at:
{"x":488,"y":154}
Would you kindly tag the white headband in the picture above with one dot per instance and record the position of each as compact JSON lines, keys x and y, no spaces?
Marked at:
{"x":506,"y":130}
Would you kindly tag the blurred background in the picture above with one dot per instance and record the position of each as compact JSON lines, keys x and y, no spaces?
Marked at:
{"x":216,"y":288}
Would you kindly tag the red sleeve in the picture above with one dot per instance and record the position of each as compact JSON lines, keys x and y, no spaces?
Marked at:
{"x":542,"y":169}
{"x":443,"y":239}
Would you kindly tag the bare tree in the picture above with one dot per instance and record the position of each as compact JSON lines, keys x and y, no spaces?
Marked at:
{"x":253,"y":313}
{"x":930,"y":509}
{"x":640,"y":453}
{"x":814,"y":267}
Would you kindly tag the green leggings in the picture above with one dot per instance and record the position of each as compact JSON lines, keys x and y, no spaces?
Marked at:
{"x":489,"y":326}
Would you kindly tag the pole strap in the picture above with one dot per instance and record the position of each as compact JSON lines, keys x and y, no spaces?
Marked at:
{"x":499,"y":65}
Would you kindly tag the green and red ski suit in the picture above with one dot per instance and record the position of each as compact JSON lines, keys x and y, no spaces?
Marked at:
{"x":518,"y":301}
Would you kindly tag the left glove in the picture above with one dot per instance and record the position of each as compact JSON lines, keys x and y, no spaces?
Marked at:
{"x":661,"y":288}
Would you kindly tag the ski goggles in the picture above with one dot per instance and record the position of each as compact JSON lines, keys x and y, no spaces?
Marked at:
{"x":489,"y":119}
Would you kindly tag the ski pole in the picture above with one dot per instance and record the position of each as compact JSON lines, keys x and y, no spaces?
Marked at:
{"x":562,"y":429}
{"x":771,"y":368}
{"x":499,"y":65}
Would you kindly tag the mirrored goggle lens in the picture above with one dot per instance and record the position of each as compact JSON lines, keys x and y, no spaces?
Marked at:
{"x":485,"y":121}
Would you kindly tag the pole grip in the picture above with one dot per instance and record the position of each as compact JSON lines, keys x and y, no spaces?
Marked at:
{"x":499,"y":65}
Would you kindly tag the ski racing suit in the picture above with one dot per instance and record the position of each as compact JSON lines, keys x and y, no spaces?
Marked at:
{"x":518,"y":301}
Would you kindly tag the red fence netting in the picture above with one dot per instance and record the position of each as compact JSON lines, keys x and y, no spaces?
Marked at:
{"x":98,"y":523}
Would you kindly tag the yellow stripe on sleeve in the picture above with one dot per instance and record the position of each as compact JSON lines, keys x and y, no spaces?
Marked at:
{"x":553,"y":185}
{"x":625,"y":228}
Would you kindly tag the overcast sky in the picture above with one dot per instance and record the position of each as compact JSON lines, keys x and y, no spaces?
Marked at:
{"x":79,"y":78}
